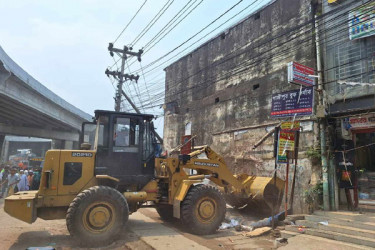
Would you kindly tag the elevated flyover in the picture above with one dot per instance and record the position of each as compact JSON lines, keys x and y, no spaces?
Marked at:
{"x":27,"y":108}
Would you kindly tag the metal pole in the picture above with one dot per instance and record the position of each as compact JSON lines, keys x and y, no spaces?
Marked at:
{"x":138,"y":112}
{"x":322,"y":122}
{"x":275,"y":148}
{"x":119,"y":85}
{"x":296,"y":145}
{"x":286,"y":183}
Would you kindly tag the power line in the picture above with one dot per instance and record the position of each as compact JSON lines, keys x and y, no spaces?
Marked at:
{"x":152,"y":22}
{"x":175,"y":18}
{"x":194,"y":42}
{"x":131,"y":20}
{"x":231,"y":73}
{"x":235,"y":5}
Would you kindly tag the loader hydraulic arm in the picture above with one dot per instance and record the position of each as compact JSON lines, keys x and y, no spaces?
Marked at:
{"x":214,"y":166}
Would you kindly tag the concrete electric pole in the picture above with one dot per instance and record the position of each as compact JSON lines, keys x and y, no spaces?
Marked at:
{"x":121,"y":77}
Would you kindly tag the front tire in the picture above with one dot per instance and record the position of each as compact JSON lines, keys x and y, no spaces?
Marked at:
{"x":166,"y":212}
{"x":97,"y":215}
{"x":203,"y":210}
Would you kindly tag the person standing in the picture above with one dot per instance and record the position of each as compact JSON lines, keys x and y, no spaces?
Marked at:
{"x":13,"y":179}
{"x":4,"y":180}
{"x":30,"y":179}
{"x":22,"y":184}
{"x":36,"y":179}
{"x":1,"y":178}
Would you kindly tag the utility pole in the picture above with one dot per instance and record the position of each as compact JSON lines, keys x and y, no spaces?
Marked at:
{"x":120,"y":76}
{"x":322,"y":122}
{"x":123,"y":53}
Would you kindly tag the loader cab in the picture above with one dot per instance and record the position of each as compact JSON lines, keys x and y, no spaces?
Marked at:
{"x":125,"y":146}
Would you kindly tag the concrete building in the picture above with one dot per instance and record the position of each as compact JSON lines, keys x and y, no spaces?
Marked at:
{"x":349,"y":77}
{"x":222,"y":91}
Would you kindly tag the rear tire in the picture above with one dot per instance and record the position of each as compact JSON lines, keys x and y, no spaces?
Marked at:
{"x":203,"y":210}
{"x":97,"y":215}
{"x":166,"y":212}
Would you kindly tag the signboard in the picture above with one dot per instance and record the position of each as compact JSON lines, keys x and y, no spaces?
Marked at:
{"x":360,"y":122}
{"x":286,"y":140}
{"x":293,"y":102}
{"x":186,"y":141}
{"x":362,"y":21}
{"x":298,"y":73}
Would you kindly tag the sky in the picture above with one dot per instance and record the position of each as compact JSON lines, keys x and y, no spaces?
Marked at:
{"x":63,"y":44}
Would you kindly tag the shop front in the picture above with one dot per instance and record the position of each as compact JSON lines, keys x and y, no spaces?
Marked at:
{"x":355,"y":161}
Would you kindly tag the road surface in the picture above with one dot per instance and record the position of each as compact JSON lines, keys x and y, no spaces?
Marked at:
{"x":144,"y":230}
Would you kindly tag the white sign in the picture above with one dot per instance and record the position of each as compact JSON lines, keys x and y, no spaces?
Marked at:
{"x":301,"y":74}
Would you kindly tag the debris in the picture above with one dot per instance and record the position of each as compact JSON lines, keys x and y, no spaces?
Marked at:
{"x":233,"y":223}
{"x":280,"y":242}
{"x":258,"y":232}
{"x":276,"y":233}
{"x":224,"y":226}
{"x":268,"y":221}
{"x":240,"y":228}
{"x":230,"y":240}
{"x":325,"y":223}
{"x":301,"y":229}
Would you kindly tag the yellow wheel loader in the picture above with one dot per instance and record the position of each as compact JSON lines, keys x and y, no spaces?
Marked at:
{"x":117,"y":171}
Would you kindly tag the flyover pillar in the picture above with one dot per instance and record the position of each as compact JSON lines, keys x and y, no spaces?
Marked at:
{"x":68,"y":144}
{"x":2,"y":138}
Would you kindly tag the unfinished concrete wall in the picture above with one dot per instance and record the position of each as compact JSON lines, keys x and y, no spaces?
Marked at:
{"x":224,"y":89}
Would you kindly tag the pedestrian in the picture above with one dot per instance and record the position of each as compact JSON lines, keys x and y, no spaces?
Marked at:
{"x":4,"y":180}
{"x":36,"y":179}
{"x":13,"y":179}
{"x":30,"y":179}
{"x":1,"y":177}
{"x":22,"y":184}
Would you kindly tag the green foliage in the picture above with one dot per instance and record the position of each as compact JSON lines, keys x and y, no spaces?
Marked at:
{"x":314,"y":196}
{"x":313,"y":153}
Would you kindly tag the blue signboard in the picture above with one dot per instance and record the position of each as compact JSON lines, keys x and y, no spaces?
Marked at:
{"x":299,"y":102}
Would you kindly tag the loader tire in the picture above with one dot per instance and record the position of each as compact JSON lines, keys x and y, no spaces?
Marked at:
{"x":97,"y":215}
{"x":203,"y":210}
{"x":166,"y":213}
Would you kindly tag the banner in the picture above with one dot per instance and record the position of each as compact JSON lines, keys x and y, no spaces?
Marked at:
{"x":293,"y":102}
{"x":286,"y":139}
{"x":362,"y":21}
{"x":298,"y":73}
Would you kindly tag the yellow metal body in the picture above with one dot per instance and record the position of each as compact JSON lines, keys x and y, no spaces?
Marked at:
{"x":212,"y":166}
{"x":53,"y":197}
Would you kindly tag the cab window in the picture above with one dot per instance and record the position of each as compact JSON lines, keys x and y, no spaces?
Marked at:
{"x":125,"y":135}
{"x":148,"y":140}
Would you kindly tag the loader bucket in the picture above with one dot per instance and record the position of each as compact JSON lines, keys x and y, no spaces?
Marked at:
{"x":21,"y":205}
{"x":265,"y":194}
{"x":261,"y":193}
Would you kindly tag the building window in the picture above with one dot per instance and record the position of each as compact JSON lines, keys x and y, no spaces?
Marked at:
{"x":72,"y":172}
{"x":257,"y":16}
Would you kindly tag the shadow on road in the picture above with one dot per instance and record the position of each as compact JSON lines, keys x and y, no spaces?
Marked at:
{"x":44,"y":239}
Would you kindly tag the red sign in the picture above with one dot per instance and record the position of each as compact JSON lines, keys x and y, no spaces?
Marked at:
{"x":299,"y":73}
{"x":186,"y":141}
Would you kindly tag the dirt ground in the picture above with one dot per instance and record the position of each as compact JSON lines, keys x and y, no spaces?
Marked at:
{"x":15,"y":234}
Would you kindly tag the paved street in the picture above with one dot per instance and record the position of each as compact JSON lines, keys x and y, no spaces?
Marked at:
{"x":144,"y":231}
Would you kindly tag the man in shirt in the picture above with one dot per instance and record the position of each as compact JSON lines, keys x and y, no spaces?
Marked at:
{"x":13,"y":179}
{"x":4,"y":180}
{"x":30,"y":179}
{"x":22,"y":184}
